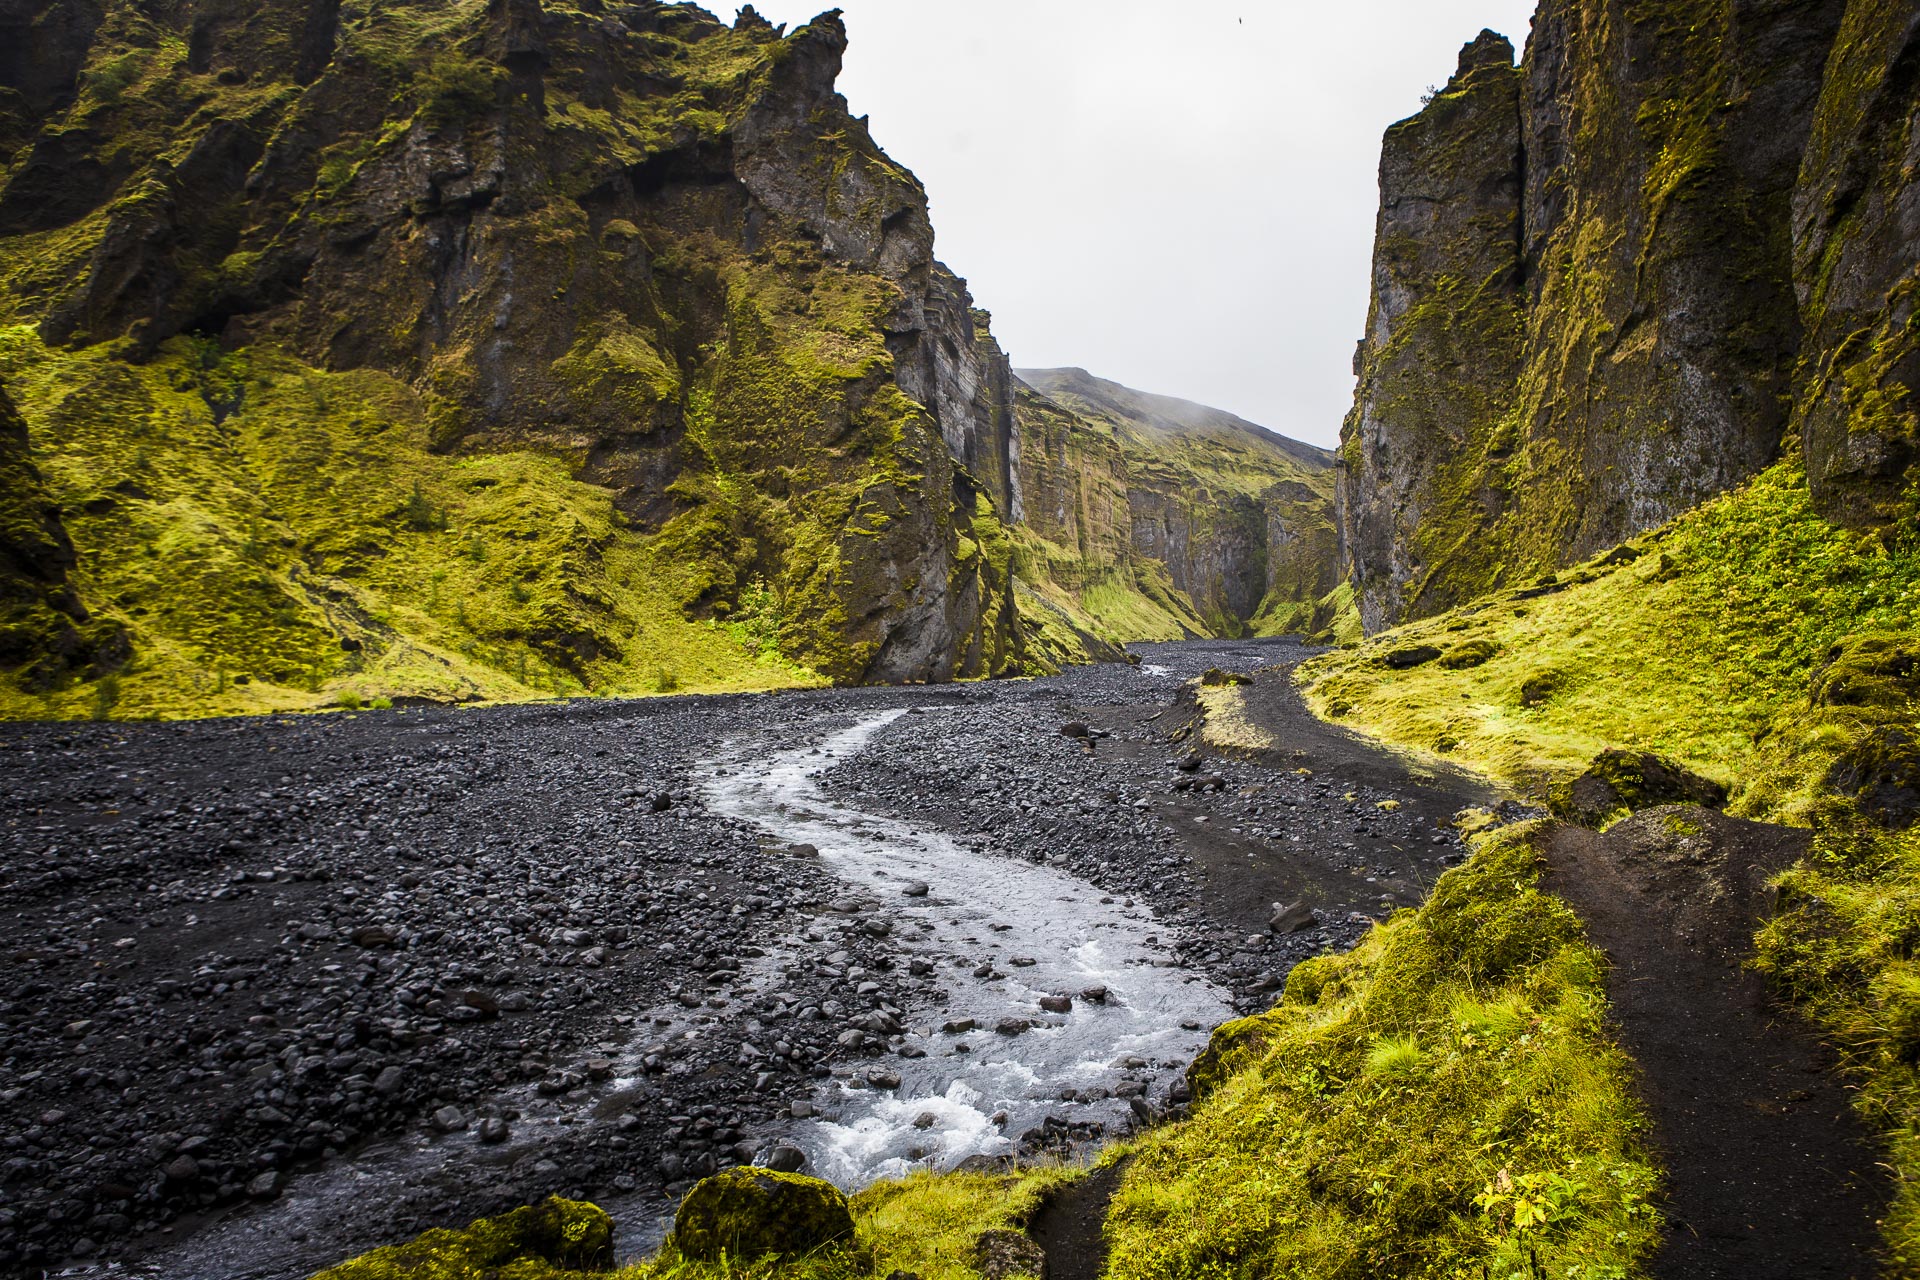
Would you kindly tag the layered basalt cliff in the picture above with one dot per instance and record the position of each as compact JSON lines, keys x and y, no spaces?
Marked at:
{"x":1612,"y":282}
{"x":1239,"y":520}
{"x":627,"y":238}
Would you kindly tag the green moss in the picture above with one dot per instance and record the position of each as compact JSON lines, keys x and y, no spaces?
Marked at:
{"x":748,"y":1214}
{"x":556,"y":1240}
{"x":309,"y":542}
{"x":1443,"y":1099}
{"x":1702,"y":643}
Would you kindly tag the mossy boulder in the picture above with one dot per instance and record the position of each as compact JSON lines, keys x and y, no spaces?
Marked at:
{"x":550,"y":1241}
{"x":1409,"y":656}
{"x":1627,"y":781}
{"x":750,"y":1213}
{"x":1880,"y":772}
{"x":1878,"y":669}
{"x":1214,"y":677}
{"x":1468,"y":654}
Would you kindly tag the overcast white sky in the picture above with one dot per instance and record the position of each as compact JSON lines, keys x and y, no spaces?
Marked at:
{"x":1175,"y":195}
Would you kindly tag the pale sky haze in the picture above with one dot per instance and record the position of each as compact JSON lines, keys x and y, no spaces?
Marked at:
{"x":1178,"y":195}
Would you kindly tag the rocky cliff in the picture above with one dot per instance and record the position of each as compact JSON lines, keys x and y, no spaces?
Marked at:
{"x":1611,"y":282}
{"x":647,"y":257}
{"x":1216,"y":525}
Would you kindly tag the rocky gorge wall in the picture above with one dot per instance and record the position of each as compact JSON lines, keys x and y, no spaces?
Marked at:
{"x":1618,"y":279}
{"x":629,"y":238}
{"x":466,"y":350}
{"x":1187,"y":505}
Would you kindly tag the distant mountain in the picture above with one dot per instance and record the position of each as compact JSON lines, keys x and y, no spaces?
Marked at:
{"x":1204,"y":521}
{"x":1102,"y":398}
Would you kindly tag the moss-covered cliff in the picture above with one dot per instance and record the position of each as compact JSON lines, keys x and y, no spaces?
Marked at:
{"x":466,"y":350}
{"x":1178,"y":519}
{"x":1609,"y":284}
{"x":642,"y":259}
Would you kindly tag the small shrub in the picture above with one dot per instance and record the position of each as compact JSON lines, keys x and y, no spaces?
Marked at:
{"x":1394,"y":1056}
{"x":421,"y":515}
{"x":349,"y":701}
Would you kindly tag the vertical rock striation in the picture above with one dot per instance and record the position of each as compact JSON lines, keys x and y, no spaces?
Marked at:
{"x":1442,"y":348}
{"x":1708,"y":227}
{"x":1856,"y":247}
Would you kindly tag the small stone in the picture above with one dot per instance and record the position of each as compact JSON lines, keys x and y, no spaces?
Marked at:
{"x":493,"y":1130}
{"x":449,"y":1119}
{"x":267,"y":1185}
{"x":786,"y":1158}
{"x":1057,"y":1004}
{"x":1012,"y":1026}
{"x":1291,"y":918}
{"x":915,"y":889}
{"x":1094,"y":995}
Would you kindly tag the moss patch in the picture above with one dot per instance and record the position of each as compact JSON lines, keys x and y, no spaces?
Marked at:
{"x":303,"y":545}
{"x":552,"y":1241}
{"x":1443,"y":1099}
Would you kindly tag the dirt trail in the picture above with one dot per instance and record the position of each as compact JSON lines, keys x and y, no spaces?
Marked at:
{"x":1069,"y":1227}
{"x":1770,"y":1175}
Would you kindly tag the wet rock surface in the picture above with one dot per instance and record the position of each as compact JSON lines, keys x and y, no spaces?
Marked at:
{"x":280,"y":990}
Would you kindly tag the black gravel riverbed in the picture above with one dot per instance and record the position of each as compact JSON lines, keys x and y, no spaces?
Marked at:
{"x":282,"y":989}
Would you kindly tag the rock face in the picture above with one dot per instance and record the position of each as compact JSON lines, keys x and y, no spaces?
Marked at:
{"x":638,"y":240}
{"x":1609,"y":283}
{"x":1443,"y":338}
{"x":1856,"y":221}
{"x":44,"y":629}
{"x":1176,"y":500}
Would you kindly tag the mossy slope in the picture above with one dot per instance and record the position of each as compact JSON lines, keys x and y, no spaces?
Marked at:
{"x":1442,"y":1101}
{"x":650,"y":254}
{"x":1760,"y":645}
{"x":309,"y":550}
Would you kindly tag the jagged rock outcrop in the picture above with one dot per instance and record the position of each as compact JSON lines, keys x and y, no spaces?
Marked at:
{"x":628,"y":236}
{"x":1856,"y":225}
{"x":45,"y":631}
{"x":1442,"y":348}
{"x":1239,"y":520}
{"x":1671,"y":278}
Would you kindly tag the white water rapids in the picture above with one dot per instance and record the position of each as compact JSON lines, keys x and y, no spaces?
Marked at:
{"x":978,"y":909}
